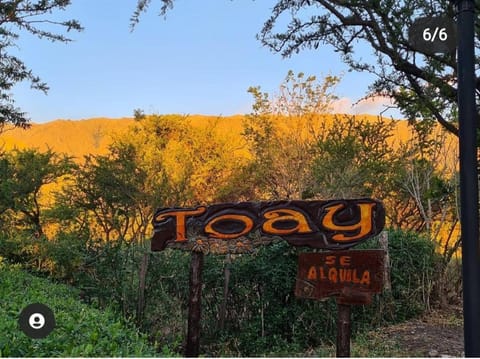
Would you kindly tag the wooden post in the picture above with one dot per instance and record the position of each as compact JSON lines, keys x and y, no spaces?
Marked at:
{"x":141,"y":287}
{"x":223,"y":307}
{"x":194,"y":305}
{"x":387,"y":284}
{"x":343,"y":330}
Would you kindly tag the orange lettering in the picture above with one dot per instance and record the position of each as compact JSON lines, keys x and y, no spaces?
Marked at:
{"x":247,"y":221}
{"x":330,"y":260}
{"x":322,"y":273}
{"x":365,"y":278}
{"x":333,"y":275}
{"x":180,"y":216}
{"x":364,"y":225}
{"x":278,"y":215}
{"x":345,"y":275}
{"x":312,"y":273}
{"x":345,"y":260}
{"x":354,"y":277}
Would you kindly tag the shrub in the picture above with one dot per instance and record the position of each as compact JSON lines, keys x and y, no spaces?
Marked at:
{"x":413,"y":262}
{"x":61,"y":257}
{"x":263,"y":316}
{"x":80,"y":330}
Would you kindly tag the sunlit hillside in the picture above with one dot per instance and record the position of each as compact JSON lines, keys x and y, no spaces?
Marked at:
{"x":76,"y":138}
{"x":93,"y":136}
{"x":89,"y":136}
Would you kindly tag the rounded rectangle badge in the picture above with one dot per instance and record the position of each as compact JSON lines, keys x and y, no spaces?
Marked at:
{"x":432,"y":35}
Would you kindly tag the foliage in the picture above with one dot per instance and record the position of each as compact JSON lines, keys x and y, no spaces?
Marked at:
{"x":413,"y":262}
{"x":80,"y":330}
{"x":425,"y":196}
{"x":426,"y":181}
{"x":110,"y":191}
{"x":422,"y":85}
{"x":99,"y":218}
{"x":31,"y":17}
{"x":26,"y":173}
{"x":184,"y":165}
{"x":354,"y":159}
{"x":413,"y":265}
{"x":281,"y":133}
{"x":263,"y":315}
{"x":142,"y":6}
{"x":167,"y":297}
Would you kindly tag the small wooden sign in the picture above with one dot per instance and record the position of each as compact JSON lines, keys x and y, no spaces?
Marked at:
{"x":352,"y":276}
{"x":241,"y":227}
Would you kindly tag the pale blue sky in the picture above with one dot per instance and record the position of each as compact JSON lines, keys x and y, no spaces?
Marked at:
{"x":199,"y":60}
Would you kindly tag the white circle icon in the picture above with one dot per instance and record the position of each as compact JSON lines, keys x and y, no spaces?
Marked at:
{"x":36,"y":321}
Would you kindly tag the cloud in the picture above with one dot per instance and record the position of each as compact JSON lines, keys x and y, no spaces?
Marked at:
{"x":376,"y":105}
{"x":342,"y":105}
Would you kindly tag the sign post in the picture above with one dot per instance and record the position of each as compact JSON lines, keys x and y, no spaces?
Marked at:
{"x":344,"y":330}
{"x":352,"y":276}
{"x":231,"y":228}
{"x":194,"y":305}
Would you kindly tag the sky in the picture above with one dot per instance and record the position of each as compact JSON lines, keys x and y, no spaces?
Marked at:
{"x":200,"y":59}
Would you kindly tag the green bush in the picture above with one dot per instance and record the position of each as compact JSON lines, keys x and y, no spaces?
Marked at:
{"x":412,"y":265}
{"x":80,"y":330}
{"x":167,"y":290}
{"x":413,"y":262}
{"x":263,"y":316}
{"x":60,"y":258}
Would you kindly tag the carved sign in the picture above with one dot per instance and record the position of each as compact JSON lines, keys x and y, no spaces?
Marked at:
{"x":240,"y":227}
{"x":352,"y":276}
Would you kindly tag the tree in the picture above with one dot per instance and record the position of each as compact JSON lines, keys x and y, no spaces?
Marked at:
{"x":354,"y":159}
{"x":426,"y":197}
{"x":110,"y":190}
{"x":142,"y":6}
{"x":31,"y":17}
{"x":282,"y":131}
{"x":423,"y":86}
{"x":25,"y":173}
{"x":187,"y":163}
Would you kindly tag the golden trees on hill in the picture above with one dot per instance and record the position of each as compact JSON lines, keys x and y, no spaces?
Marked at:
{"x":24,"y":175}
{"x":290,"y":148}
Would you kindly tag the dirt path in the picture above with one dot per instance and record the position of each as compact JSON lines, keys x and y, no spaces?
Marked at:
{"x":436,"y":334}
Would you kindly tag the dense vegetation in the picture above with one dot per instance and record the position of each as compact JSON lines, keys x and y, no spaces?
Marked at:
{"x":80,"y":330}
{"x":86,"y":222}
{"x":263,"y":316}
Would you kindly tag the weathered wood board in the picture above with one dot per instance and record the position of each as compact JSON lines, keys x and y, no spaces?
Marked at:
{"x":241,"y":227}
{"x":352,"y":276}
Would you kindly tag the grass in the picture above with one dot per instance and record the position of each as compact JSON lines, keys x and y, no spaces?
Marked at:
{"x":80,"y":329}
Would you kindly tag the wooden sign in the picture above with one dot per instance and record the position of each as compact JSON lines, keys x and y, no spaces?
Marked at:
{"x":352,"y":276}
{"x":241,"y":227}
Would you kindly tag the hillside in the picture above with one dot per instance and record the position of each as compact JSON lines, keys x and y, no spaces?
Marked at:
{"x":76,"y":138}
{"x":93,"y":136}
{"x":89,"y":136}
